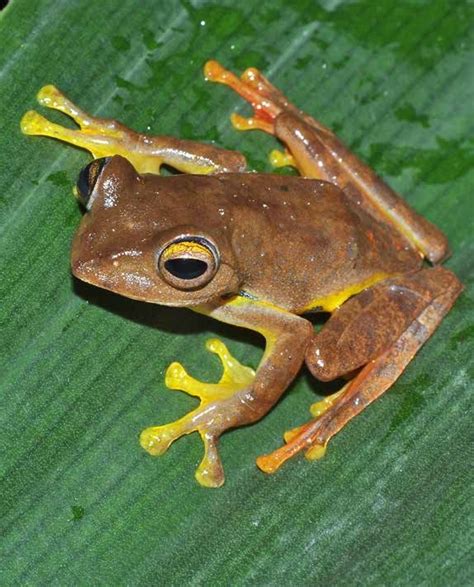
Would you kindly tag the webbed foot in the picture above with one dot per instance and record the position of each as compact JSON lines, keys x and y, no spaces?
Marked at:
{"x":267,"y":103}
{"x":208,"y":418}
{"x":313,"y":450}
{"x":265,"y":99}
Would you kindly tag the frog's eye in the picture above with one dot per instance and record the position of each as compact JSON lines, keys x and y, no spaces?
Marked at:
{"x":188,"y":263}
{"x":88,"y":178}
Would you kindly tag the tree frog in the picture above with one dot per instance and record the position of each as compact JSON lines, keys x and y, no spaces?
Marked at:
{"x":259,"y":251}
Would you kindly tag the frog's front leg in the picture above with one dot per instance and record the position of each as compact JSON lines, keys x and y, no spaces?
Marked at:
{"x":318,"y":153}
{"x":379,"y":330}
{"x":241,"y":397}
{"x":104,"y":137}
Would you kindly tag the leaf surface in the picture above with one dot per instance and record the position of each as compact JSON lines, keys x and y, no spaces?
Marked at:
{"x":82,"y":370}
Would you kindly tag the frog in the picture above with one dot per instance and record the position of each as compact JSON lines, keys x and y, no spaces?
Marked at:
{"x":259,"y":251}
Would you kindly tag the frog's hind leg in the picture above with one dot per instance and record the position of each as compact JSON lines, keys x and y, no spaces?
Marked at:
{"x":104,"y":137}
{"x":266,"y":100}
{"x":436,"y":290}
{"x":254,"y":88}
{"x":317,"y":153}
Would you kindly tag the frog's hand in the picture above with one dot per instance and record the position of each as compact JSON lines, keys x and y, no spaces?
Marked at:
{"x":105,"y":137}
{"x":235,"y":377}
{"x":317,"y":153}
{"x":414,"y":306}
{"x":241,"y":396}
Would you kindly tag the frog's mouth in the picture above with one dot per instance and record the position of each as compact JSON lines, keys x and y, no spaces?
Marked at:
{"x":91,"y":272}
{"x":119,"y":273}
{"x":128,"y":277}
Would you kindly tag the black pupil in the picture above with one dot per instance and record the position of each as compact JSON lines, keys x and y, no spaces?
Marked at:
{"x":186,"y":268}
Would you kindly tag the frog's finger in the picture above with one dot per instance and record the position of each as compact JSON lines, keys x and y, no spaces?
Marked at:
{"x":210,"y":472}
{"x":99,"y":144}
{"x":178,"y":378}
{"x":252,"y":123}
{"x":251,"y":86}
{"x":292,"y":433}
{"x":296,"y":440}
{"x":51,"y":97}
{"x":233,"y":371}
{"x":254,"y":88}
{"x":318,"y":408}
{"x":235,"y":376}
{"x":157,"y":439}
{"x":279,"y":159}
{"x":270,"y":463}
{"x":33,"y":123}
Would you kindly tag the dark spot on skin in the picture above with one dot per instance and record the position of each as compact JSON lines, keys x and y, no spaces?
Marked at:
{"x":245,"y":294}
{"x":352,"y":249}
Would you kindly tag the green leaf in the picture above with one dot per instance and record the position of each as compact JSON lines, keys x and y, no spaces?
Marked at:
{"x":82,"y":370}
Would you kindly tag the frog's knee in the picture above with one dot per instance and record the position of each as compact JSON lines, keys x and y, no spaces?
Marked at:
{"x":322,"y":365}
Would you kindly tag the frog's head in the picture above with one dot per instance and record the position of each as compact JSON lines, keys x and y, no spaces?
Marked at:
{"x":146,"y":237}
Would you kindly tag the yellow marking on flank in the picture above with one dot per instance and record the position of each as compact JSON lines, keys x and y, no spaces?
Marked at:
{"x":333,"y":301}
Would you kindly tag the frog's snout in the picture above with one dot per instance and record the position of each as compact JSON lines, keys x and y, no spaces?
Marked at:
{"x":87,"y":270}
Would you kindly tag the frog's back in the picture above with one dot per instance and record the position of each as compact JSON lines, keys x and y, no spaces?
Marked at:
{"x":302,"y":241}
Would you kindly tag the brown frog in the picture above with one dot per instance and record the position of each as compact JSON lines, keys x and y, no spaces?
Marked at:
{"x":258,"y":251}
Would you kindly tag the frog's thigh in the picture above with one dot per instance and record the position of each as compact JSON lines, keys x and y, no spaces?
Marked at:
{"x":370,"y":322}
{"x":318,"y":153}
{"x":439,"y":288}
